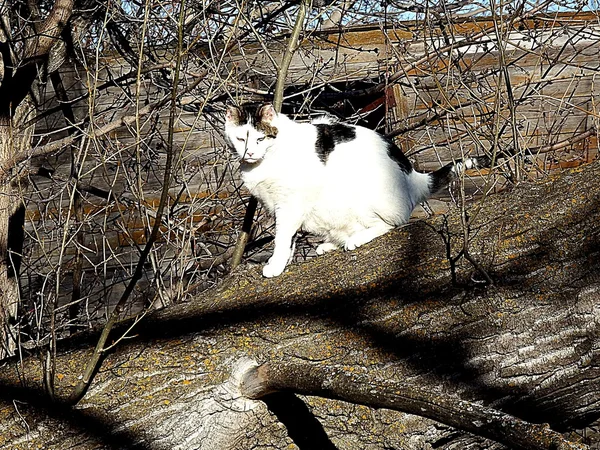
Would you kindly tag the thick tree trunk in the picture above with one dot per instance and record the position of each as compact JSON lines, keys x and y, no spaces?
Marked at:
{"x":12,"y":219}
{"x":19,"y":69}
{"x":9,"y":291}
{"x":527,"y":346}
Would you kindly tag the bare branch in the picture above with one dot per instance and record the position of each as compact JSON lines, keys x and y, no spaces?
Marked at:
{"x":427,"y":401}
{"x":50,"y":29}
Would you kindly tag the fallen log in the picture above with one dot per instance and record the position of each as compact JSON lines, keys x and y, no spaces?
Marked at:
{"x":527,"y":346}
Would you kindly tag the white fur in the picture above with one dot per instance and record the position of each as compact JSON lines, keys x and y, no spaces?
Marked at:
{"x":360,"y":194}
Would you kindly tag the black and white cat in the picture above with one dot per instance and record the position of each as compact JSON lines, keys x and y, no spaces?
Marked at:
{"x":345,"y":183}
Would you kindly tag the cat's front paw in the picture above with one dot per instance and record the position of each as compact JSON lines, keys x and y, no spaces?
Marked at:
{"x":351,"y":245}
{"x":325,"y":247}
{"x":273,"y":269}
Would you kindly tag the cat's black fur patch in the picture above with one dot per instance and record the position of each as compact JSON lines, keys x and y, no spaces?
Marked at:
{"x":329,"y":135}
{"x":248,"y":113}
{"x":396,"y":154}
{"x":252,"y":114}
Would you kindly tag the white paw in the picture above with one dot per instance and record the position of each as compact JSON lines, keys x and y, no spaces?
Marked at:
{"x":352,"y":244}
{"x":325,"y":247}
{"x":273,"y":269}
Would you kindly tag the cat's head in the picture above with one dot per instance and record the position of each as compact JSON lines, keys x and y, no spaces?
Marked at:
{"x":251,"y":130}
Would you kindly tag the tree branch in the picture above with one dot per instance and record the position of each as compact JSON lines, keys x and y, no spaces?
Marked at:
{"x":339,"y":384}
{"x":50,"y":29}
{"x":380,"y":87}
{"x":14,"y":88}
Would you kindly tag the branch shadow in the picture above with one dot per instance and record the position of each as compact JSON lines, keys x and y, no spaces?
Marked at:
{"x":302,"y":426}
{"x":83,"y":420}
{"x":444,"y":358}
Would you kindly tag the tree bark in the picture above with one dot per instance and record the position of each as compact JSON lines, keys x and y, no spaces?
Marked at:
{"x":12,"y":220}
{"x":527,"y":346}
{"x":338,"y":384}
{"x":19,"y":73}
{"x":12,"y":217}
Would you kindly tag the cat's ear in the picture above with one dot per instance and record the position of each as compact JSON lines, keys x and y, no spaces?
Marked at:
{"x":232,"y":115}
{"x":267,"y":113}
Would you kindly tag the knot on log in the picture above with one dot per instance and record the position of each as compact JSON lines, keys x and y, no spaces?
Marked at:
{"x":231,"y":394}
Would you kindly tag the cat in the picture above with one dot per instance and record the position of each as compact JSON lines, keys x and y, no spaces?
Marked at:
{"x":345,"y":183}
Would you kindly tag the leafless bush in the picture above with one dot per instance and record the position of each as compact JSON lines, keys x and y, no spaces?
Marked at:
{"x":514,"y":80}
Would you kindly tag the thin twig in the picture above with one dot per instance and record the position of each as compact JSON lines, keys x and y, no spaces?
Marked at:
{"x":282,"y":71}
{"x":93,"y":363}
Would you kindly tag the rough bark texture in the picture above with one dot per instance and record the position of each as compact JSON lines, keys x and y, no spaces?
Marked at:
{"x":17,"y":81}
{"x":338,"y":384}
{"x":12,"y":215}
{"x":527,"y":346}
{"x":12,"y":220}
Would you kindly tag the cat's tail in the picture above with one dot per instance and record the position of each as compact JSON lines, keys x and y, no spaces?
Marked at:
{"x":444,"y":176}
